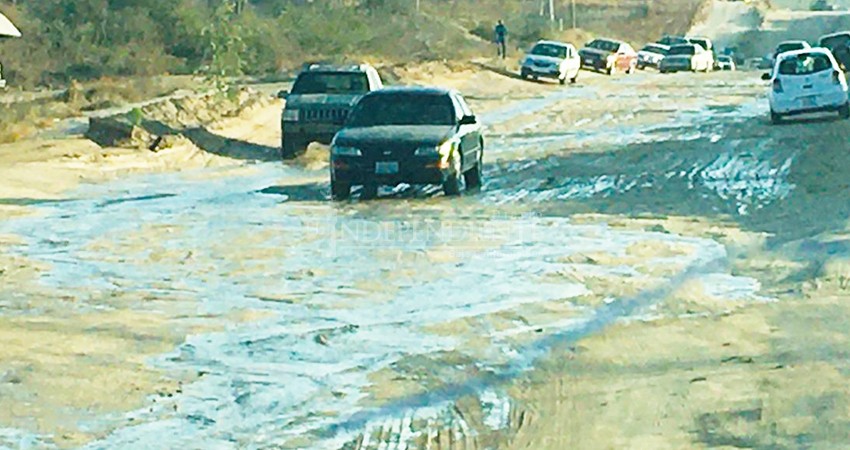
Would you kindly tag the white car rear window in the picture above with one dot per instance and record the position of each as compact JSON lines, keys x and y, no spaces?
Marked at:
{"x":805,"y":64}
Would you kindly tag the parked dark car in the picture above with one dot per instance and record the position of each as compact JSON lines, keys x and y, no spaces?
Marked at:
{"x":321,"y":98}
{"x":839,"y":45}
{"x":412,"y":135}
{"x":670,"y":41}
{"x":822,"y":5}
{"x":609,"y":56}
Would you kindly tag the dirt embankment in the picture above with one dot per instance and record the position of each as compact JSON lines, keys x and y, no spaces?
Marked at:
{"x":168,"y":135}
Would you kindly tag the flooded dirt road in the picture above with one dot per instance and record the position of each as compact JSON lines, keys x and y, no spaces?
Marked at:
{"x":410,"y":321}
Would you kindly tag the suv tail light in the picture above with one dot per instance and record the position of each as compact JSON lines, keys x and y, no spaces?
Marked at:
{"x":836,"y":77}
{"x":777,"y":85}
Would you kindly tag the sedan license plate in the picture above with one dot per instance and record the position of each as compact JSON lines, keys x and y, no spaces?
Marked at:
{"x":808,"y":102}
{"x":588,"y":61}
{"x":386,"y":168}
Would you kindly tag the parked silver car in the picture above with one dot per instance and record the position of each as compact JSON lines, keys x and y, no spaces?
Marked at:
{"x":726,"y":63}
{"x":651,"y":55}
{"x":550,"y":59}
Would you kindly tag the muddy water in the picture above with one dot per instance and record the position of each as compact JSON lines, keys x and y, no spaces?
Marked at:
{"x":348,"y":292}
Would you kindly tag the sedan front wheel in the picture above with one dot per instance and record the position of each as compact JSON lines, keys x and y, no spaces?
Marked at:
{"x":340,"y":190}
{"x":844,"y":111}
{"x":474,"y":177}
{"x":453,"y":184}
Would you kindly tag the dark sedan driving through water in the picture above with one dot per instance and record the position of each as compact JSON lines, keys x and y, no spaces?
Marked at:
{"x":409,"y":135}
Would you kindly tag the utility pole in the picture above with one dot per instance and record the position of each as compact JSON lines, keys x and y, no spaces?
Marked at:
{"x":418,"y":5}
{"x":552,"y":11}
{"x":573,"y":13}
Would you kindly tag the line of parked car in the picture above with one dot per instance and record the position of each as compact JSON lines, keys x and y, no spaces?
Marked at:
{"x":562,"y":61}
{"x":387,"y":136}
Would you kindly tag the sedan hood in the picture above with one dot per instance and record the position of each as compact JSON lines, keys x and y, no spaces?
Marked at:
{"x":337,"y":100}
{"x":650,"y":55}
{"x":547,"y":60}
{"x":395,"y":135}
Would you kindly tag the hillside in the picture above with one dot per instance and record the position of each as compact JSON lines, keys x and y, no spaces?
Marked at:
{"x":92,"y":39}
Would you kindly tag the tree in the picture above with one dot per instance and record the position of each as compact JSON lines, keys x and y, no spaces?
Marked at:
{"x":224,"y":41}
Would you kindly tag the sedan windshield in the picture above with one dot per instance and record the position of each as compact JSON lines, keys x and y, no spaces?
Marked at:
{"x":331,"y":83}
{"x":403,"y":109}
{"x":608,"y":46}
{"x":805,"y":64}
{"x":673,"y":40}
{"x":682,"y":50}
{"x":551,"y":50}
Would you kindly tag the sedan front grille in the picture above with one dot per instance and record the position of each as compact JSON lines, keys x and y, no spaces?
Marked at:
{"x":327,"y":115}
{"x":388,"y":152}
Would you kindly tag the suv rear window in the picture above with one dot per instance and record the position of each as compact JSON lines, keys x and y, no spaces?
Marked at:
{"x":331,"y":83}
{"x":805,"y":64}
{"x":554,"y":51}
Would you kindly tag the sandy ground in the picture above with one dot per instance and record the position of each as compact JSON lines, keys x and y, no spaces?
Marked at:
{"x":650,"y":265}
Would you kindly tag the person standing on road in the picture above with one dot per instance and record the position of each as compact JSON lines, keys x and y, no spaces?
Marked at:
{"x":501,"y":33}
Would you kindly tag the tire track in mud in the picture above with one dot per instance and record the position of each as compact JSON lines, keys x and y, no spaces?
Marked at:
{"x":301,"y":378}
{"x":251,"y":392}
{"x":482,"y":387}
{"x":691,"y":160}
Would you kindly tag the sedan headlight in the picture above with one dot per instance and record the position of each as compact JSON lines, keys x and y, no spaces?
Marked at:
{"x":443,"y":150}
{"x":291,"y":115}
{"x":346,"y":151}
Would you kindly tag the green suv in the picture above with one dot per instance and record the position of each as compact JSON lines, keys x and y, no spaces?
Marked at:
{"x":319,"y":103}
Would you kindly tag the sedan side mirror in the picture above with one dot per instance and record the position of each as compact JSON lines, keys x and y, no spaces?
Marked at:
{"x":283,"y":95}
{"x":765,"y":77}
{"x":468,"y":120}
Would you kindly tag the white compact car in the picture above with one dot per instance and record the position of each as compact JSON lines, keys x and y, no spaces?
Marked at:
{"x":726,"y":63}
{"x":550,"y":59}
{"x":807,"y":81}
